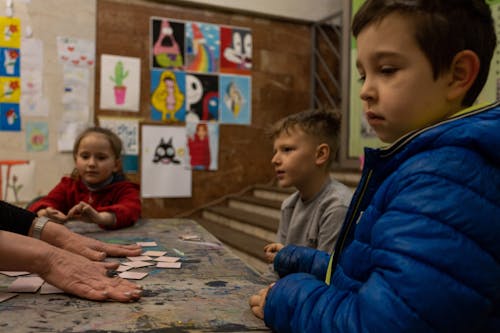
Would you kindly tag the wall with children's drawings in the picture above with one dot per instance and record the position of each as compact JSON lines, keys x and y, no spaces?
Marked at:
{"x":280,"y":85}
{"x":56,"y":94}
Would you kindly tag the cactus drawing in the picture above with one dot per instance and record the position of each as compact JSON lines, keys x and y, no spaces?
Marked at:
{"x":119,"y":88}
{"x":120,"y":74}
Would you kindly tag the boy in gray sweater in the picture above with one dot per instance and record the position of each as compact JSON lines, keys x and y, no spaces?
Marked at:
{"x":305,"y":145}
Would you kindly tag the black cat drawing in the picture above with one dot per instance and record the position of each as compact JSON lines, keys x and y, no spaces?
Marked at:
{"x":165,"y":153}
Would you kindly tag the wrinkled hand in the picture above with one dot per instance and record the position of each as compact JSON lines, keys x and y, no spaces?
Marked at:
{"x":258,"y":302}
{"x":90,"y":248}
{"x":53,"y":214}
{"x":270,"y":251}
{"x":87,"y":279}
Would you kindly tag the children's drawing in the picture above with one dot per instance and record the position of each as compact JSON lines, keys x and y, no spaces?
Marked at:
{"x":10,"y":119}
{"x":10,"y":32}
{"x":37,"y":136}
{"x":17,"y":180}
{"x":203,"y":145}
{"x":167,"y":97}
{"x":236,"y":97}
{"x":119,"y":88}
{"x":76,"y":52}
{"x":127,"y":130}
{"x":163,"y":167}
{"x":165,"y":152}
{"x":10,"y":88}
{"x":10,"y":62}
{"x":202,"y":97}
{"x":120,"y":83}
{"x":236,"y":50}
{"x":167,"y":44}
{"x":202,"y":47}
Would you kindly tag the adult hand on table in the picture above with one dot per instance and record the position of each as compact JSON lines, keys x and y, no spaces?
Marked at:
{"x":85,"y":278}
{"x":60,"y":236}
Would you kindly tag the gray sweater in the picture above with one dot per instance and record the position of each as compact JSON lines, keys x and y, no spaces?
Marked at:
{"x":315,"y":223}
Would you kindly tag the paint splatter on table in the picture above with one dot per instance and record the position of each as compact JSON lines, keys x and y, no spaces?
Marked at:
{"x":208,"y":294}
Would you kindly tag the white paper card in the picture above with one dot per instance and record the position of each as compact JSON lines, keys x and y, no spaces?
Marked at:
{"x":132,"y":275}
{"x":168,"y":265}
{"x":154,"y":253}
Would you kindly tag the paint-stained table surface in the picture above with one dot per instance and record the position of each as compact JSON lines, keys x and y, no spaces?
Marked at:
{"x":208,"y":294}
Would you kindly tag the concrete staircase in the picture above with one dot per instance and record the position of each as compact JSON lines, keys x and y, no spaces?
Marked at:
{"x":247,"y":221}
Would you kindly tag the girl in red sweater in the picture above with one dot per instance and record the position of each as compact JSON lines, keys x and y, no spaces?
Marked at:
{"x":97,"y":191}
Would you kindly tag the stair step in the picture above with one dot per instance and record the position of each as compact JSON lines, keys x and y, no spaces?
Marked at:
{"x":253,"y":219}
{"x":239,"y":240}
{"x":270,"y":208}
{"x":267,"y":235}
{"x":272,"y":192}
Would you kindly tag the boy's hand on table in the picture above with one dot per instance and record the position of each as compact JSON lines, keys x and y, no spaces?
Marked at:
{"x":270,"y":251}
{"x":258,"y":302}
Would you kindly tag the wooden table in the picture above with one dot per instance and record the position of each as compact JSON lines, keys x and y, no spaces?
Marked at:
{"x":208,"y":294}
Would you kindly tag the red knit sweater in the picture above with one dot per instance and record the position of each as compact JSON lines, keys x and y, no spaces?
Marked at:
{"x":121,"y":198}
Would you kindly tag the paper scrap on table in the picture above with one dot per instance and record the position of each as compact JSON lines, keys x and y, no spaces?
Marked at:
{"x":190,"y":237}
{"x":14,"y":273}
{"x":132,"y":275}
{"x":139,"y":258}
{"x":6,"y":296}
{"x":47,"y":288}
{"x":137,"y":264}
{"x":28,"y":284}
{"x":146,"y":243}
{"x":166,"y":259}
{"x":154,"y":253}
{"x":123,"y":268}
{"x":168,"y":265}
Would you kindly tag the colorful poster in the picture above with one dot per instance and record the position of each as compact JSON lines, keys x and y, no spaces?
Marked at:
{"x":202,"y":47}
{"x":202,"y":145}
{"x":10,"y":32}
{"x":236,"y":50}
{"x":37,"y":136}
{"x":202,"y":97}
{"x":10,"y":62}
{"x":168,"y":94}
{"x":167,"y":44}
{"x":120,"y":83}
{"x":235,"y":99}
{"x":10,"y":119}
{"x":163,"y":168}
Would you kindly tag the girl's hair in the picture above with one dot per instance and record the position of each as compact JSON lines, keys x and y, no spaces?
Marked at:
{"x":201,"y":125}
{"x":114,"y":141}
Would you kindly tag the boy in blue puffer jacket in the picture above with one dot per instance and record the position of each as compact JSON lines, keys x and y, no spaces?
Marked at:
{"x":419,"y":249}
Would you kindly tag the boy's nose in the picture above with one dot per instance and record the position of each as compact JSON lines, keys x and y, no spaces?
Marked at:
{"x":367,"y":92}
{"x":275,"y":160}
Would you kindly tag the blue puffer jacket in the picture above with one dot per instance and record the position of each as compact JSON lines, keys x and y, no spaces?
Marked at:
{"x":420,"y":248}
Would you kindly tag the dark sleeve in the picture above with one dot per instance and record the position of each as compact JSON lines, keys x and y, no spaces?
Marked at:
{"x":15,"y":219}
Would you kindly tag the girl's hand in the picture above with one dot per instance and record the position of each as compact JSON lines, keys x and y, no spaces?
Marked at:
{"x":86,"y":213}
{"x":53,"y":214}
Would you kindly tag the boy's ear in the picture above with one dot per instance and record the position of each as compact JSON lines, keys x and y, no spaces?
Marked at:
{"x":322,"y":153}
{"x":464,"y":69}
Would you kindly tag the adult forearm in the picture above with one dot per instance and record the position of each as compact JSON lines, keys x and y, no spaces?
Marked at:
{"x":22,"y":253}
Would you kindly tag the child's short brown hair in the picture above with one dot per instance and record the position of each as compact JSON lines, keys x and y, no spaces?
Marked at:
{"x":442,"y":28}
{"x":323,"y":125}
